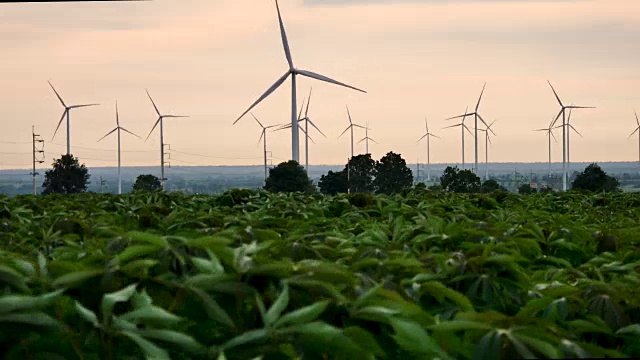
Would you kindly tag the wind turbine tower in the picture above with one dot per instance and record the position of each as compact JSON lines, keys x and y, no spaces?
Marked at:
{"x":549,"y":132}
{"x":366,"y":138}
{"x":160,"y":121}
{"x":295,"y":148}
{"x":264,"y":136}
{"x":428,"y":135}
{"x":637,"y":130}
{"x":67,"y":110}
{"x":351,"y":125}
{"x":118,"y":128}
{"x":487,"y":141}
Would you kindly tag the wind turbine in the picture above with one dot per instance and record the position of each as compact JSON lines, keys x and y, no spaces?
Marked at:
{"x":564,"y":137}
{"x":549,"y":132}
{"x":351,"y":125}
{"x":264,"y":135}
{"x":487,"y":141}
{"x":118,"y":128}
{"x":636,"y":131}
{"x":428,"y":135}
{"x":159,"y":121}
{"x":568,"y":143}
{"x":366,"y":138}
{"x":67,"y":109}
{"x":295,"y":148}
{"x":307,"y":121}
{"x":463,"y":127}
{"x":476,"y":116}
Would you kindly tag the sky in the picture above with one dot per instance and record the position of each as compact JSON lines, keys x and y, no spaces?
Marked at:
{"x":415,"y":58}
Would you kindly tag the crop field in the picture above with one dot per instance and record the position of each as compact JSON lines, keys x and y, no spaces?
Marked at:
{"x":250,"y":275}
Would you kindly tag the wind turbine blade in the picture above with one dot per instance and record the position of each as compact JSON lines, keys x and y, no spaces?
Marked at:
{"x":574,"y":129}
{"x":272,"y":126}
{"x":635,"y":131}
{"x":345,"y":130}
{"x":374,"y":141}
{"x":154,"y":104}
{"x":480,"y":98}
{"x":484,"y":122}
{"x":306,"y":112}
{"x":555,"y":93}
{"x":580,"y":107}
{"x":324,"y":78}
{"x":267,"y":93}
{"x":153,"y":128}
{"x":637,"y":121}
{"x":446,"y":127}
{"x":569,"y":117}
{"x":554,"y":137}
{"x":489,"y":128}
{"x":175,"y":116}
{"x":117,"y":117}
{"x":489,"y":139}
{"x":59,"y":123}
{"x":284,"y":127}
{"x":58,"y":95}
{"x":109,"y":133}
{"x":79,"y":106}
{"x":363,"y":139}
{"x":435,"y":136}
{"x":426,"y":124}
{"x":556,"y":119}
{"x":469,"y":131}
{"x":300,"y":113}
{"x":460,"y":116}
{"x":360,"y":126}
{"x":348,"y":113}
{"x":541,"y":130}
{"x":125,"y":130}
{"x":261,"y":135}
{"x":285,"y":42}
{"x":262,"y":126}
{"x":425,"y":135}
{"x":314,"y":125}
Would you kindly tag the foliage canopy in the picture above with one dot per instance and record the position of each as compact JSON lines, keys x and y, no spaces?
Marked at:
{"x":66,"y":177}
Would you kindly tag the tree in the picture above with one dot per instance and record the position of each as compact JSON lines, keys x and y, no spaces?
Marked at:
{"x":491,"y":186}
{"x":334,"y":183}
{"x":460,"y":181}
{"x":593,"y":178}
{"x":360,"y":171}
{"x":66,"y":177}
{"x":526,"y":189}
{"x":288,"y":177}
{"x":392,"y":174}
{"x":147,"y":183}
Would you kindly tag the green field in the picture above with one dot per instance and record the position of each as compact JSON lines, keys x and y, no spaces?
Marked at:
{"x":254,"y":275}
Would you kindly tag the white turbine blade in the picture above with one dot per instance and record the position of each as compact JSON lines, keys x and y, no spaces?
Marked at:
{"x":272,"y":126}
{"x":574,"y":129}
{"x":541,"y":130}
{"x":117,"y":117}
{"x":554,"y":137}
{"x":469,"y":131}
{"x":306,"y":112}
{"x":489,"y":139}
{"x":426,"y":124}
{"x":489,"y":128}
{"x":262,"y":126}
{"x":435,"y":136}
{"x":556,"y":119}
{"x":460,"y":116}
{"x":345,"y":130}
{"x":349,"y":114}
{"x":481,"y":119}
{"x":425,"y":135}
{"x":267,"y":93}
{"x":635,"y":131}
{"x":363,"y":139}
{"x":324,"y":78}
{"x":284,"y":127}
{"x":555,"y":93}
{"x":314,"y":125}
{"x":569,"y":116}
{"x":580,"y":107}
{"x":374,"y":141}
{"x":79,"y":106}
{"x":637,"y":121}
{"x":109,"y":133}
{"x":360,"y":126}
{"x":301,"y":108}
{"x":153,"y":128}
{"x":285,"y":42}
{"x":125,"y":130}
{"x":261,"y":135}
{"x":480,"y":98}
{"x":154,"y":104}
{"x":58,"y":95}
{"x":446,"y":127}
{"x":59,"y":123}
{"x":175,"y":116}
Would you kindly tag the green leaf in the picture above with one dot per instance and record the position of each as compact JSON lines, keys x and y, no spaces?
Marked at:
{"x":414,"y":339}
{"x":32,"y":318}
{"x":247,"y":337}
{"x":137,"y":251}
{"x":631,"y":330}
{"x":277,"y":307}
{"x":540,"y":346}
{"x":87,"y":314}
{"x":303,"y":315}
{"x":151,"y":351}
{"x":151,"y":314}
{"x":76,"y":278}
{"x":12,"y":303}
{"x":158,"y":241}
{"x":488,"y":347}
{"x":460,"y":325}
{"x":110,"y":300}
{"x":364,"y":340}
{"x":182,"y":340}
{"x":214,"y":311}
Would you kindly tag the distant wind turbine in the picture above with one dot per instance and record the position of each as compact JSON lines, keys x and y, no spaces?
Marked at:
{"x":67,"y":110}
{"x":487,"y":141}
{"x":264,"y":136}
{"x":351,"y":125}
{"x":159,"y":121}
{"x":637,"y":130}
{"x":476,"y":116}
{"x":549,"y":132}
{"x":564,"y":137}
{"x":429,"y":135}
{"x":118,"y":128}
{"x":463,"y":127}
{"x":295,"y":148}
{"x":366,"y":138}
{"x":571,"y":127}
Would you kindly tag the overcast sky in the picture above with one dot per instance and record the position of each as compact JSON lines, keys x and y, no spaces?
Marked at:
{"x":416,"y":58}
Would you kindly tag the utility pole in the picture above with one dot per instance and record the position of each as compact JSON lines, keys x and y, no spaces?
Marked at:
{"x":162,"y":144}
{"x":35,"y":140}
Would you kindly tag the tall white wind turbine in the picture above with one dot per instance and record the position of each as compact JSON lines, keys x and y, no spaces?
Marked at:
{"x":264,"y":136}
{"x":366,"y":138}
{"x":428,"y":135}
{"x":549,"y":132}
{"x":67,"y":110}
{"x":463,"y":127}
{"x":159,"y":121}
{"x":295,"y":148}
{"x":487,"y":141}
{"x":118,"y":128}
{"x":564,"y":131}
{"x":476,"y":116}
{"x":637,"y":130}
{"x":351,"y":126}
{"x":570,"y":127}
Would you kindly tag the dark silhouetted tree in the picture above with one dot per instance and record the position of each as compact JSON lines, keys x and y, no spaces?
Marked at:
{"x":334,"y":183}
{"x":288,"y":177}
{"x":491,"y":186}
{"x":392,"y":174}
{"x":593,"y":178}
{"x":66,"y":177}
{"x":460,"y":181}
{"x":360,"y":173}
{"x":147,"y":183}
{"x":527,"y":189}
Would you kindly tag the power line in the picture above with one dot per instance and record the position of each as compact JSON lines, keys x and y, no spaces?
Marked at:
{"x":216,"y":157}
{"x":96,"y":149}
{"x":15,"y":142}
